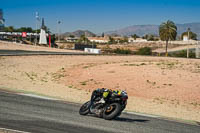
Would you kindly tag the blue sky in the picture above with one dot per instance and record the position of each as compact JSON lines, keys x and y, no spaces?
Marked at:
{"x":98,"y":15}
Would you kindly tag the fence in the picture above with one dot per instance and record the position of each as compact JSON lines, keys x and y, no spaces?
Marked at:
{"x":198,"y":50}
{"x":83,"y":46}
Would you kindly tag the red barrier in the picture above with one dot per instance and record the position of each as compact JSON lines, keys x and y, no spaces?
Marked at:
{"x":49,"y":40}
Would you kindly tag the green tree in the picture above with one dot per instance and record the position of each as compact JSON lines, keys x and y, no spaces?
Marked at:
{"x":111,"y":40}
{"x":71,"y":36}
{"x":151,"y":37}
{"x":102,"y":34}
{"x":24,"y":29}
{"x":122,"y":51}
{"x":135,"y":36}
{"x":9,"y":29}
{"x":192,"y":35}
{"x":144,"y":51}
{"x":167,"y":31}
{"x":83,"y":39}
{"x":29,"y":29}
{"x":145,"y":36}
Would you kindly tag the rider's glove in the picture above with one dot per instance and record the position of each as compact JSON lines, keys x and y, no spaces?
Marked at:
{"x":102,"y":100}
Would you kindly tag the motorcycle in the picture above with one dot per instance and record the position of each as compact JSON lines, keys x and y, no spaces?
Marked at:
{"x":109,"y":110}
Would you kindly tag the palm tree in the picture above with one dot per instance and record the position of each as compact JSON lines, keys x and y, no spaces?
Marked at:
{"x":167,"y":31}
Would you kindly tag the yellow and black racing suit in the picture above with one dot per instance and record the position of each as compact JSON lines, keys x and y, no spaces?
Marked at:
{"x":104,"y":93}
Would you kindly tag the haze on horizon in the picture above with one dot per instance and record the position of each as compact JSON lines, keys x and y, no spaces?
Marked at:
{"x":99,"y":15}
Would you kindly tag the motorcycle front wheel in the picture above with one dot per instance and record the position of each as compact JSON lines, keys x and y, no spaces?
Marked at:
{"x":112,"y":111}
{"x":84,"y":110}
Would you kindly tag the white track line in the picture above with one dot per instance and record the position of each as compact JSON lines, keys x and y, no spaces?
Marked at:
{"x":141,"y":114}
{"x":36,"y":96}
{"x":11,"y":130}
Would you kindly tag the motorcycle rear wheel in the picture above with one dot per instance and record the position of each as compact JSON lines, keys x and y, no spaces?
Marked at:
{"x":112,"y":111}
{"x":84,"y":110}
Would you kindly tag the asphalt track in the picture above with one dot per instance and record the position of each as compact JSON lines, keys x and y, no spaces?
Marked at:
{"x":30,"y":53}
{"x":37,"y":115}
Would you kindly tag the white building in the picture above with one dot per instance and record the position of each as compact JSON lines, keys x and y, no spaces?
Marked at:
{"x":185,"y":38}
{"x":99,"y":39}
{"x":136,"y":40}
{"x":43,"y":37}
{"x":71,"y":39}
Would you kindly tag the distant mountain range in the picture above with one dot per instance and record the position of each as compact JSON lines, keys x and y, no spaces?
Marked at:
{"x":78,"y":33}
{"x":142,"y":30}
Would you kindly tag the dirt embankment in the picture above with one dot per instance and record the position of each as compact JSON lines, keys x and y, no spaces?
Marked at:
{"x":155,"y":85}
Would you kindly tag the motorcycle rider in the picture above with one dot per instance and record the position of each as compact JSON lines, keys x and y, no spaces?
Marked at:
{"x":104,"y":94}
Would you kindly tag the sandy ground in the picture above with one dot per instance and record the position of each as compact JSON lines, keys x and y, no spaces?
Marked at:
{"x":156,"y":85}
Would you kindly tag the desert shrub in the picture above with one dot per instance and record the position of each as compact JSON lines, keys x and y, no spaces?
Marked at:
{"x":183,"y":54}
{"x":122,"y":51}
{"x":62,"y":47}
{"x":144,"y":51}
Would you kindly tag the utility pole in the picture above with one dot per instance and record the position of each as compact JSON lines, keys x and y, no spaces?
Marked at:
{"x":37,"y":21}
{"x":198,"y":50}
{"x":188,"y":51}
{"x":58,"y":28}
